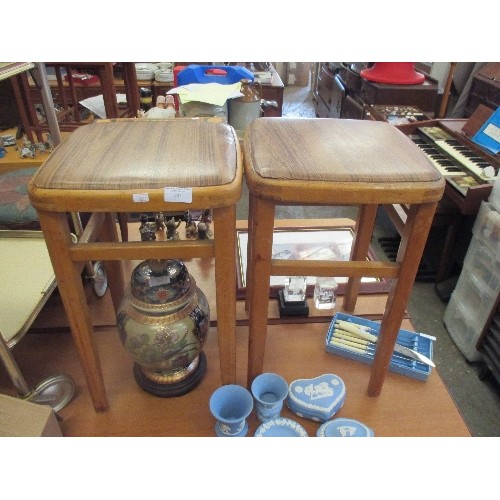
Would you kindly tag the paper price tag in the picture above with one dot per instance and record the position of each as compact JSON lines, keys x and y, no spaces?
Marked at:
{"x":140,"y":198}
{"x":178,"y":195}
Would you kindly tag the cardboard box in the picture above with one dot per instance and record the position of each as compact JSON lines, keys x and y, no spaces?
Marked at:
{"x":19,"y":418}
{"x":298,"y":73}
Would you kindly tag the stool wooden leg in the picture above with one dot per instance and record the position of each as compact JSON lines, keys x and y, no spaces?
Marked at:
{"x":69,"y":280}
{"x":361,"y":244}
{"x":412,"y":246}
{"x":225,"y":290}
{"x":114,"y":268}
{"x":261,"y":251}
{"x":248,"y":282}
{"x":123,"y":221}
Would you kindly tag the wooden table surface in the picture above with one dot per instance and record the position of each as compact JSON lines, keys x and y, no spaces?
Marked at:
{"x":406,"y":407}
{"x":12,"y":159}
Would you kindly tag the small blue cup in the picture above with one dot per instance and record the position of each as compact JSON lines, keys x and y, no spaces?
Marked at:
{"x":269,"y":391}
{"x":231,"y":405}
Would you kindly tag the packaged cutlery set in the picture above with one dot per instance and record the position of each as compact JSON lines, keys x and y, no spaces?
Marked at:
{"x":356,"y":338}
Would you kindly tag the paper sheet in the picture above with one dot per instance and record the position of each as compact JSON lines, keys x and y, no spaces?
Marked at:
{"x":96,"y":104}
{"x":211,"y":93}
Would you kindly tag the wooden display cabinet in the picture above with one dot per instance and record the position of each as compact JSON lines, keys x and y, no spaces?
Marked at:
{"x":485,"y":89}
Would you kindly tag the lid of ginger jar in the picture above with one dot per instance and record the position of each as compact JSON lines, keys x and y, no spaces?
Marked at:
{"x":161,"y":282}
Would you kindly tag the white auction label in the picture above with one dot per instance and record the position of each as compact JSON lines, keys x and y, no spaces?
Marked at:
{"x":178,"y":195}
{"x":140,"y":197}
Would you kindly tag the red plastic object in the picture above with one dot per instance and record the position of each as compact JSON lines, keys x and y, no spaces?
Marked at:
{"x":395,"y":73}
{"x":216,"y":71}
{"x":177,"y":70}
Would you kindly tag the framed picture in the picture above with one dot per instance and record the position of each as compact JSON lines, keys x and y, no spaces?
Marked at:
{"x":315,"y":243}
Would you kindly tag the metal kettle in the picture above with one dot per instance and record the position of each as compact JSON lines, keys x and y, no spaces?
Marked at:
{"x":246,"y":108}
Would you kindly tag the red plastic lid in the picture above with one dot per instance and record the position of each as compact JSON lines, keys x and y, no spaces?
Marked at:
{"x":393,"y":73}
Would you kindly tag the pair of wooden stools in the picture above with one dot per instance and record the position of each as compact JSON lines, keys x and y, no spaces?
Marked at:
{"x":120,"y":166}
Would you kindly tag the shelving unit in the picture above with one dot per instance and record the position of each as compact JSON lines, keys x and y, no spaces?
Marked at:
{"x":120,"y":78}
{"x":474,"y":301}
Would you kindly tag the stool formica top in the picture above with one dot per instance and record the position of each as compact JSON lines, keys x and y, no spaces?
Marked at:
{"x":336,"y":161}
{"x":103,"y":164}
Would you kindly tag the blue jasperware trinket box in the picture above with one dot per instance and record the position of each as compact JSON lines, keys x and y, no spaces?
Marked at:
{"x":344,"y":427}
{"x":317,"y":398}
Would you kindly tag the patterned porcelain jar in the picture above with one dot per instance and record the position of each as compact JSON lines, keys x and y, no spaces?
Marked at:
{"x":163,"y":323}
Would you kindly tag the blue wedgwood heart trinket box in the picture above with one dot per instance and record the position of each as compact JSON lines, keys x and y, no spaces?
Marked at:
{"x":317,"y":398}
{"x":344,"y":427}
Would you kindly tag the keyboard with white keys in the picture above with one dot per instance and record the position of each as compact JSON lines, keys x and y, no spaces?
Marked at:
{"x":461,"y":166}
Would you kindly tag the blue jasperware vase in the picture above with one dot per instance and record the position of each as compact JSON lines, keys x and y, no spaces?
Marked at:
{"x":231,"y":405}
{"x":269,"y":391}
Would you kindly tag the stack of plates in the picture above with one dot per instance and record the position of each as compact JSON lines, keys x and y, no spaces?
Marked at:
{"x":145,"y":71}
{"x":165,"y":65}
{"x":164,"y":75}
{"x":317,"y":398}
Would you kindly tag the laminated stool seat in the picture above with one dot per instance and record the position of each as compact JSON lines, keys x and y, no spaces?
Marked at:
{"x":336,"y":162}
{"x":130,"y":165}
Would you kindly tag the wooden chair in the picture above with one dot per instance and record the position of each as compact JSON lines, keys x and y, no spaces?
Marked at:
{"x":336,"y":162}
{"x":127,"y":165}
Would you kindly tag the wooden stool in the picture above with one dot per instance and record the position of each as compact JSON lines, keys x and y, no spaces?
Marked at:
{"x":336,"y":162}
{"x":133,"y":165}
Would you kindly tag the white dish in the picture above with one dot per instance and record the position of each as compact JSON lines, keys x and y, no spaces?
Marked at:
{"x":280,"y":427}
{"x":146,"y":67}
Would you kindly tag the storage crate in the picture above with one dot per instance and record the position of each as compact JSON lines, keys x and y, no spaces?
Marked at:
{"x":399,"y":364}
{"x":494,"y":198}
{"x":476,"y":297}
{"x":463,"y":329}
{"x":484,"y":264}
{"x":487,"y":227}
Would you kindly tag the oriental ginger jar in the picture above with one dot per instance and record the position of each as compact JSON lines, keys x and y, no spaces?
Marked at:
{"x":163,"y":322}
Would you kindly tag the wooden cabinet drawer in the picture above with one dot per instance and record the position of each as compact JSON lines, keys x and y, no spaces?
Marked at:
{"x":322,"y":110}
{"x":325,"y":85}
{"x":488,"y":91}
{"x":338,"y":97}
{"x":352,"y":109}
{"x":423,"y":96}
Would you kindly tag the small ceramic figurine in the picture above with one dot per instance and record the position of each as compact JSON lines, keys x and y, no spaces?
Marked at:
{"x":187,"y":218}
{"x":27,"y":153}
{"x":191,"y":230}
{"x":202,"y":231}
{"x":172,"y":226}
{"x":147,"y":229}
{"x":163,"y":109}
{"x":49,"y":143}
{"x":206,"y":218}
{"x":160,"y":221}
